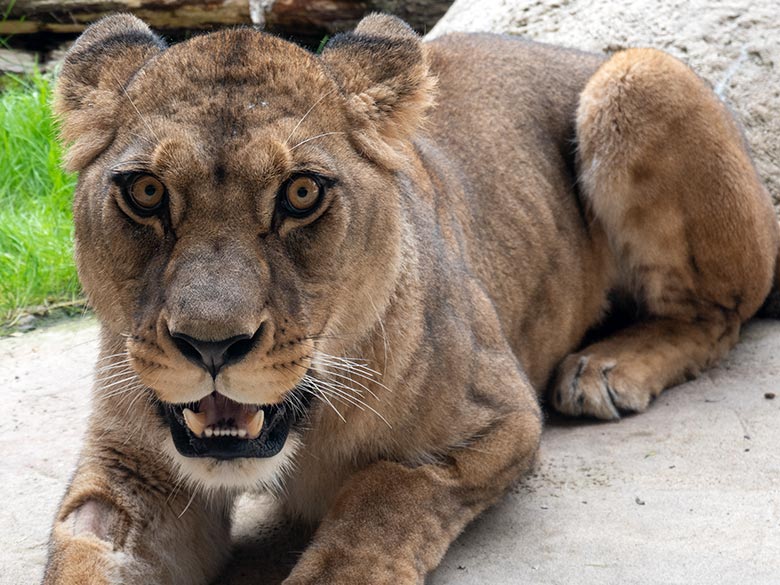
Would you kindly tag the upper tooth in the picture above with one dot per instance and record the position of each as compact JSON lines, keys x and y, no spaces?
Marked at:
{"x":195,"y":421}
{"x":255,"y":424}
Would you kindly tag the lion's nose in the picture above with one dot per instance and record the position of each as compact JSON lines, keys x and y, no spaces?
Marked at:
{"x":213,"y":355}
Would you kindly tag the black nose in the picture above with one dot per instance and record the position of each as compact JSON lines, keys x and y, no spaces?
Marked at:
{"x":213,"y":355}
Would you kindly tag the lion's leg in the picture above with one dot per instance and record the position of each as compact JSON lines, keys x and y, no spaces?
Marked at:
{"x":123,"y":520}
{"x":692,"y":230}
{"x":392,"y":523}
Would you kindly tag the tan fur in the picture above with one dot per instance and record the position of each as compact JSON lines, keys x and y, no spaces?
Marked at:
{"x":475,"y":234}
{"x":707,"y":263}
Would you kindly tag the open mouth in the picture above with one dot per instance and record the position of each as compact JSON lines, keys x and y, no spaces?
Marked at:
{"x":221,"y":428}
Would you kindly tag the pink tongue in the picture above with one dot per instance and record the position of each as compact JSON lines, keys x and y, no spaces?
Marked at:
{"x":220,"y":409}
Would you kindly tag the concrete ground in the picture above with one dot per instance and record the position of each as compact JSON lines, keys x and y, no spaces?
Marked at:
{"x":687,"y":493}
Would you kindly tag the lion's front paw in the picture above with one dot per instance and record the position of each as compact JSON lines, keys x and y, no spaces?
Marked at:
{"x":337,"y":567}
{"x":603,"y":387}
{"x":81,"y":561}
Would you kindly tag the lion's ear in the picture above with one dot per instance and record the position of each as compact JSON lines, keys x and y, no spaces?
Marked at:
{"x":91,"y":85}
{"x":382,"y":68}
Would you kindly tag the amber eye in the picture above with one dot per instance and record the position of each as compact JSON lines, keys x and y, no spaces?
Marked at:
{"x":302,"y":194}
{"x":147,"y":193}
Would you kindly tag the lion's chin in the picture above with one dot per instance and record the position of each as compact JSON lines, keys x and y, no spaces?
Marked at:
{"x":241,"y":474}
{"x":219,"y":444}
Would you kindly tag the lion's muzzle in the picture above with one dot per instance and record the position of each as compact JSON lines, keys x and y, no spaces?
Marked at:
{"x":213,"y":355}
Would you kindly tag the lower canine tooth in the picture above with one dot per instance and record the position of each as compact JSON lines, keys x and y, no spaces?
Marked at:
{"x":195,"y":421}
{"x":255,"y":424}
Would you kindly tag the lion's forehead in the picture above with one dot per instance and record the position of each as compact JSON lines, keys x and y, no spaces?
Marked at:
{"x":237,"y":75}
{"x":237,"y":103}
{"x":192,"y":155}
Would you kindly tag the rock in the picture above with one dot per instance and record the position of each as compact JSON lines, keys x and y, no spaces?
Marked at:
{"x":734,"y":45}
{"x":26,"y":323}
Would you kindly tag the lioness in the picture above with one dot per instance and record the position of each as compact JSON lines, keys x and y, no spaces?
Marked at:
{"x":350,"y":278}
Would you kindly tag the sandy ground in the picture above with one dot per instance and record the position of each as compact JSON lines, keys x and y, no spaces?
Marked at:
{"x":686,"y":493}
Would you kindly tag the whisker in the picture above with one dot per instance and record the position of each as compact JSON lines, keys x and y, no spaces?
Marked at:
{"x":117,"y":382}
{"x":134,"y":377}
{"x":326,"y":394}
{"x":302,"y":142}
{"x":127,"y":413}
{"x":123,"y":391}
{"x":351,"y":361}
{"x":309,"y":111}
{"x":187,"y":507}
{"x":343,"y":390}
{"x":358,"y":371}
{"x":112,"y":375}
{"x":137,"y":111}
{"x":336,"y":392}
{"x":315,"y":390}
{"x":80,"y":343}
{"x":343,"y":377}
{"x":361,"y":370}
{"x":178,"y":483}
{"x":121,"y":364}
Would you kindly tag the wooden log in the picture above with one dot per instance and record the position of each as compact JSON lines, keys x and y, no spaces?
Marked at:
{"x":17,"y":61}
{"x":41,"y":25}
{"x":316,"y":18}
{"x":73,"y":16}
{"x":296,"y":18}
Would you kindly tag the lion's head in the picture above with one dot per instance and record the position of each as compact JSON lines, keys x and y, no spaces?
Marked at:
{"x":238,"y":214}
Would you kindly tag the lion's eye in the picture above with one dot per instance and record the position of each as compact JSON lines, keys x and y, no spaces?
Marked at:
{"x":146,"y":193}
{"x":302,"y":194}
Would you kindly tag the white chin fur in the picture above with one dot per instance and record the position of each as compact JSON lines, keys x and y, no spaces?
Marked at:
{"x":242,"y":474}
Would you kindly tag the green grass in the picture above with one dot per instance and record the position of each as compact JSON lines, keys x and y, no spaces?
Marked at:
{"x":36,"y":234}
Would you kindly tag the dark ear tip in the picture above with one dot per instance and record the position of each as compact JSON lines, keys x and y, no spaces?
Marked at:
{"x":385,"y":25}
{"x":119,"y":27}
{"x":381,"y":32}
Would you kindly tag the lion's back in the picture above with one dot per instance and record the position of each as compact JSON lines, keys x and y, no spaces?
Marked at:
{"x":502,"y":135}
